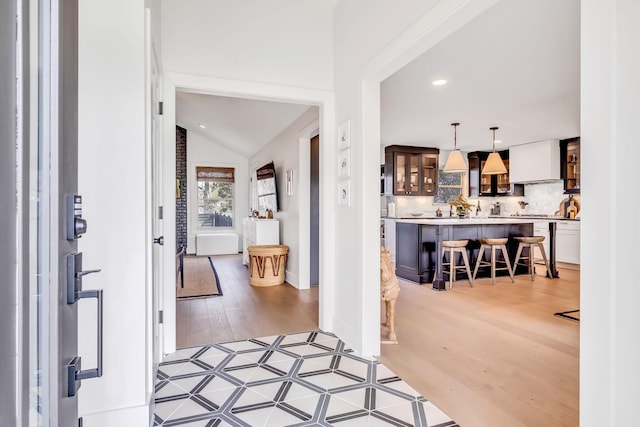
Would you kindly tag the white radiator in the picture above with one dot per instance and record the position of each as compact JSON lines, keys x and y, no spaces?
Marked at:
{"x":216,"y":244}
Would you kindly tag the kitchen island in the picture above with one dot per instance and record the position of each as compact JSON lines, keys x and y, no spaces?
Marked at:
{"x":419,"y":244}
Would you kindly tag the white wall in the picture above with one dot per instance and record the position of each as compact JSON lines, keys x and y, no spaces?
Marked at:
{"x":284,"y":42}
{"x":284,"y":150}
{"x":609,"y":292}
{"x":204,"y":152}
{"x":112,"y":181}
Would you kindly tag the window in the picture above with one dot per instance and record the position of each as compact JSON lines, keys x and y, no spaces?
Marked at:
{"x":450,"y":185}
{"x":215,"y":196}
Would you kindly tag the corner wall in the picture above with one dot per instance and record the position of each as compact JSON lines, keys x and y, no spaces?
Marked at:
{"x":284,"y":150}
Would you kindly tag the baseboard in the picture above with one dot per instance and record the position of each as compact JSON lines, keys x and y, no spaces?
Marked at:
{"x":292,"y":279}
{"x":129,"y":416}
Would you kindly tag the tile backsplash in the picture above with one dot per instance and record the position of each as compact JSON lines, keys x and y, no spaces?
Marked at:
{"x":542,"y":198}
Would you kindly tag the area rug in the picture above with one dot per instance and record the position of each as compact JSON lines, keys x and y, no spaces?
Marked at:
{"x":200,"y":278}
{"x":571,"y":315}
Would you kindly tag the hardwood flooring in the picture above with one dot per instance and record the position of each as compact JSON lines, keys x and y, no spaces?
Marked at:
{"x":491,"y":355}
{"x":244,"y":311}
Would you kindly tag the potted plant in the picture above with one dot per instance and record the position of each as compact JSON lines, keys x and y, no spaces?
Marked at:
{"x":462,"y":205}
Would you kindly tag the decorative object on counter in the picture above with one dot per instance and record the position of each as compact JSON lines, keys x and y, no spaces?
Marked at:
{"x":495,"y":209}
{"x":463,"y":207}
{"x":494,"y":164}
{"x":522,"y":204}
{"x":569,"y":207}
{"x":439,"y":212}
{"x":391,"y":209}
{"x":389,"y":291}
{"x":269,"y":214}
{"x":455,"y":162}
{"x":478,"y":209}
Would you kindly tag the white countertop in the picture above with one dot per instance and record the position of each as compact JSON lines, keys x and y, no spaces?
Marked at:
{"x":490,"y":219}
{"x":469,"y":221}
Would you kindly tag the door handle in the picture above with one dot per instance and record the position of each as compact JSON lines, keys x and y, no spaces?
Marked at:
{"x":75,"y":374}
{"x":159,"y":240}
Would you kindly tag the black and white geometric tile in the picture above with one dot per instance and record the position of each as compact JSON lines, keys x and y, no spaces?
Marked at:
{"x":304,"y":379}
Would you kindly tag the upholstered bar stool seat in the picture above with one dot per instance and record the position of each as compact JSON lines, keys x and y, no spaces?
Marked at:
{"x":530,"y":242}
{"x":493,"y":244}
{"x":454,"y":247}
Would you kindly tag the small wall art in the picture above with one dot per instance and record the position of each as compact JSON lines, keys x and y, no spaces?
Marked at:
{"x":289,"y":188}
{"x":344,"y":193}
{"x":344,"y":163}
{"x":344,"y":135}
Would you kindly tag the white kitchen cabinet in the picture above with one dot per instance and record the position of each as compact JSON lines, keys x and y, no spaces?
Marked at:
{"x":568,"y":242}
{"x":541,"y":228}
{"x":390,"y":238}
{"x":259,"y":232}
{"x":536,"y":161}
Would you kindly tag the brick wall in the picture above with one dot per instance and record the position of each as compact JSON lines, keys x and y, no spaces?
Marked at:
{"x":181,"y":174}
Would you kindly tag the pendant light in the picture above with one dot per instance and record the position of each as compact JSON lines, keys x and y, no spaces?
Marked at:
{"x":494,"y":164}
{"x":455,"y":162}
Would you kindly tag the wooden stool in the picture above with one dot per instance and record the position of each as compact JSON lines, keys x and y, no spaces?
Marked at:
{"x":494,"y":244}
{"x":453,"y":247}
{"x":530,"y":242}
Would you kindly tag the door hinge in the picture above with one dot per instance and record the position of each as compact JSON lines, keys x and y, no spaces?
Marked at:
{"x":160,"y":212}
{"x":160,"y":316}
{"x":160,"y":107}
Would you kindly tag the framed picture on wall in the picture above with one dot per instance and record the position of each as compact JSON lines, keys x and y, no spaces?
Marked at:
{"x":344,"y":193}
{"x":344,"y":135}
{"x":344,"y":163}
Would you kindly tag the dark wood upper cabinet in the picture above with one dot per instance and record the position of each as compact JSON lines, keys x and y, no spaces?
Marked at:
{"x":570,"y":164}
{"x":490,"y":185}
{"x":411,"y":171}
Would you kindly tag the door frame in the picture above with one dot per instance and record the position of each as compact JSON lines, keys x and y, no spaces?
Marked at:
{"x":328,"y":201}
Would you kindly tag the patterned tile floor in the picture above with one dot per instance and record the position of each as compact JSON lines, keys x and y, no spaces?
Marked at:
{"x":304,"y":379}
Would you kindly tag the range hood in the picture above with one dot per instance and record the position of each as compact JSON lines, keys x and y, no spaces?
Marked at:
{"x":535,"y":162}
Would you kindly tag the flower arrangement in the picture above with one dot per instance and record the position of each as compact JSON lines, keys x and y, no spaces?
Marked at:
{"x":462,"y":205}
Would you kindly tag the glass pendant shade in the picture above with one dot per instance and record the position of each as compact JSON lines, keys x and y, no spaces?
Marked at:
{"x":494,"y":164}
{"x":455,"y":162}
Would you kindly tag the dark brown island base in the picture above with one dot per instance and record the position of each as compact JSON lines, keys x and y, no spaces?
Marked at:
{"x":419,"y":245}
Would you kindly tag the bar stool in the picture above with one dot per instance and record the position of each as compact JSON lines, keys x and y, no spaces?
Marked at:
{"x":493,"y":244}
{"x":453,"y":247}
{"x":530,"y":242}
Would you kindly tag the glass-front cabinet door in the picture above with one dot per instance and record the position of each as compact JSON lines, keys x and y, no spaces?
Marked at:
{"x":429,"y":174}
{"x":407,"y":173}
{"x":570,"y":161}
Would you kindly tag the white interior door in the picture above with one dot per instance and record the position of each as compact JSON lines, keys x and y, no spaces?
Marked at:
{"x":157,"y":180}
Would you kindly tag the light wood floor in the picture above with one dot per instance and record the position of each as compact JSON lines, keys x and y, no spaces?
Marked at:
{"x":488,"y":355}
{"x":244,"y":311}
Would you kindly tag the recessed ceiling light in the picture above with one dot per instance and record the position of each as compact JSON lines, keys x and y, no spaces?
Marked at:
{"x":498,"y":141}
{"x":439,"y":82}
{"x":202,"y":126}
